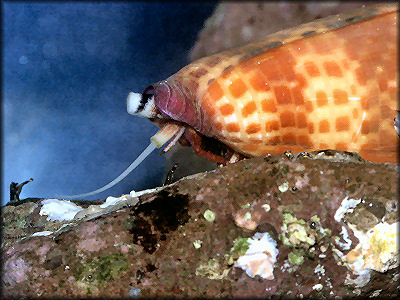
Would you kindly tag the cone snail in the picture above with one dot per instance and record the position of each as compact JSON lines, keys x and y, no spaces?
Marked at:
{"x":328,"y":84}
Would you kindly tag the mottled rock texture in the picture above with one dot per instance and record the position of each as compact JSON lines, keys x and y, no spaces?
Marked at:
{"x":184,"y":239}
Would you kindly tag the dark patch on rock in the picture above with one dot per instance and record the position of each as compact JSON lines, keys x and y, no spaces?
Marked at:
{"x":54,"y":260}
{"x":153,"y":220}
{"x":375,"y":207}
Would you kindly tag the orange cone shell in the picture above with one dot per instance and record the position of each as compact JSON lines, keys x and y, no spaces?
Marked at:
{"x":329,"y":84}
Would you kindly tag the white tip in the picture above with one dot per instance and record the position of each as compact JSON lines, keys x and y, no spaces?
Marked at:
{"x":141,"y":105}
{"x":133,"y":102}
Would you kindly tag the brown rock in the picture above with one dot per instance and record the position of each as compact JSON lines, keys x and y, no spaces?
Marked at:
{"x":184,"y":239}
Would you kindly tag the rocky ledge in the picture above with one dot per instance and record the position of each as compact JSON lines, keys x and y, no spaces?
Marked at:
{"x":322,"y":225}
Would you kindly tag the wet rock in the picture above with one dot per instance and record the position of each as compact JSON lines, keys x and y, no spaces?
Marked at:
{"x":276,"y":225}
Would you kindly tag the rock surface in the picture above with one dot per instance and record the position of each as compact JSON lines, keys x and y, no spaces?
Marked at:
{"x":331,"y":221}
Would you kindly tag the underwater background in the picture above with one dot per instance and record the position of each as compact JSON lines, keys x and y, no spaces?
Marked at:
{"x":67,"y":70}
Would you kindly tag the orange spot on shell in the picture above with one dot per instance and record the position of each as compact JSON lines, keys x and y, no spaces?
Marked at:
{"x":256,"y":141}
{"x":218,"y":126}
{"x":301,"y":120}
{"x":301,"y":47}
{"x":247,"y":66}
{"x":305,"y":141}
{"x":322,"y":98}
{"x":342,"y":123}
{"x":371,"y":144}
{"x":360,"y":77}
{"x":311,"y":128}
{"x":289,"y":139}
{"x":287,"y":119}
{"x":282,"y":95}
{"x":323,"y":126}
{"x":369,"y":126}
{"x":253,"y":128}
{"x":237,"y":88}
{"x":341,"y":146}
{"x":249,"y":108}
{"x":270,"y":70}
{"x":301,"y":80}
{"x":324,"y":146}
{"x":285,"y":58}
{"x":332,"y":69}
{"x":215,"y":91}
{"x":259,"y":83}
{"x":268,"y":105}
{"x":309,"y":106}
{"x":272,"y":126}
{"x":387,"y":112}
{"x":297,"y":95}
{"x":226,"y":109}
{"x":312,"y":69}
{"x":345,"y":64}
{"x":387,"y":138}
{"x":208,"y":107}
{"x":324,"y":46}
{"x":233,"y":127}
{"x":365,"y":103}
{"x":340,"y":97}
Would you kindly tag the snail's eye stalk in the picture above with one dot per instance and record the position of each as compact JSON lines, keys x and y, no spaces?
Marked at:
{"x":141,"y":105}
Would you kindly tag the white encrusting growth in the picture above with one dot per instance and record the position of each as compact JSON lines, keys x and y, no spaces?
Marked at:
{"x":378,"y":249}
{"x":113,"y":200}
{"x":260,"y":257}
{"x":42,"y":233}
{"x":347,"y":206}
{"x":58,"y":210}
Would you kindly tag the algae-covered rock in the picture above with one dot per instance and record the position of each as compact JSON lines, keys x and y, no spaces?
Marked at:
{"x":230,"y":232}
